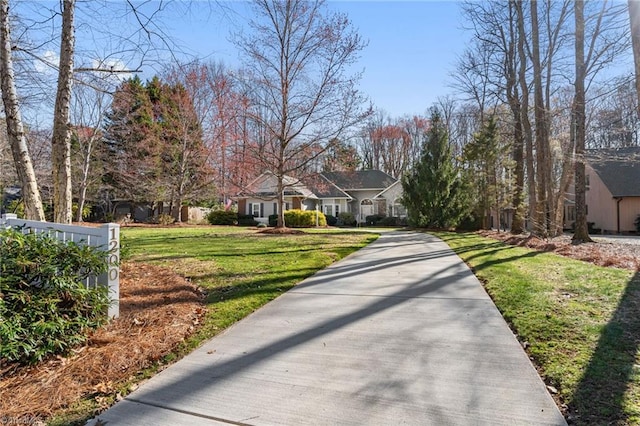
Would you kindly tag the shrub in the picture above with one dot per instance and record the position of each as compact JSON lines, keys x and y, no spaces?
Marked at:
{"x":389,"y":221}
{"x":347,"y":218}
{"x":45,"y":308}
{"x":16,"y":207}
{"x":222,"y":217}
{"x":331,"y":220}
{"x":86,"y":211}
{"x":246,"y":220}
{"x":304,"y":218}
{"x":471,"y":222}
{"x":165,"y":219}
{"x":373,"y":219}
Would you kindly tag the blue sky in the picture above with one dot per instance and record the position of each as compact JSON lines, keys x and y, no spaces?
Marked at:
{"x":412,"y":47}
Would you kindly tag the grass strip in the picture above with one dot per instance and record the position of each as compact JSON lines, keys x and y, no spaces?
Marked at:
{"x":581,"y":323}
{"x":240,"y":270}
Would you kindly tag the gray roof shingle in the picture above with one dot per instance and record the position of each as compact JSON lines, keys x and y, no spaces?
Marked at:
{"x":323,"y":188}
{"x":618,"y":168}
{"x":363,"y":179}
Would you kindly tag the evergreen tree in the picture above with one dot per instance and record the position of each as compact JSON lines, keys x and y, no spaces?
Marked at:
{"x":434,"y":191}
{"x":156,"y":151}
{"x":487,"y":157}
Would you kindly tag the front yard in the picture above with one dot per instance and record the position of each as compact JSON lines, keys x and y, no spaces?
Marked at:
{"x":579,"y":322}
{"x":179,"y":286}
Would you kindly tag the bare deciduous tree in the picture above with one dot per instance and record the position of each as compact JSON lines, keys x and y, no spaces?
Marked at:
{"x":298,"y":56}
{"x":15,"y":128}
{"x":61,"y":140}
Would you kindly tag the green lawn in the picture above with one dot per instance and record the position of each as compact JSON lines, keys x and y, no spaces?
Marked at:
{"x":581,"y":322}
{"x":239,"y":268}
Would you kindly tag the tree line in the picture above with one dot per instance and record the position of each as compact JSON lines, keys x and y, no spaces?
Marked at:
{"x":534,"y":89}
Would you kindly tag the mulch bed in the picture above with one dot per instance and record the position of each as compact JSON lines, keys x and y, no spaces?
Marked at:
{"x":281,"y":231}
{"x":617,"y":255}
{"x":158,"y":310}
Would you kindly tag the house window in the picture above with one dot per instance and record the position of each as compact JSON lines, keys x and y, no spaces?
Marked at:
{"x":570,"y":214}
{"x":286,"y":206}
{"x":337,"y":207}
{"x":255,"y":209}
{"x":327,"y":209}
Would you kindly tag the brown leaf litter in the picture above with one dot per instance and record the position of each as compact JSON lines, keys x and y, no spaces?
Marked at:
{"x":616,"y":254}
{"x":158,"y":310}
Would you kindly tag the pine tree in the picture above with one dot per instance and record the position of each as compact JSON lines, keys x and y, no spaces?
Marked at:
{"x":434,"y":192}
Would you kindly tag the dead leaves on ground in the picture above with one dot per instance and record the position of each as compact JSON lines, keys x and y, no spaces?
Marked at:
{"x":158,"y":310}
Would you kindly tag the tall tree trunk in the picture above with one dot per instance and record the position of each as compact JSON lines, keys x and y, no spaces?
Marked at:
{"x":517,"y":224}
{"x":579,"y":121}
{"x":541,"y":220}
{"x":527,"y":132}
{"x":15,"y":129}
{"x":61,"y":140}
{"x":280,"y":197}
{"x":634,"y":20}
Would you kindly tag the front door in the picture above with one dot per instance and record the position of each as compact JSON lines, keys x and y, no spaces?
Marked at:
{"x":365,"y":210}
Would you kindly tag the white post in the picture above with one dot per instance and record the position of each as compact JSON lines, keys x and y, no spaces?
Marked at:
{"x":317,"y":217}
{"x":8,"y":216}
{"x":110,"y":239}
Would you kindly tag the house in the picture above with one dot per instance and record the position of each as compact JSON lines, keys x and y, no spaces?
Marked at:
{"x":613,"y":190}
{"x":362,"y":193}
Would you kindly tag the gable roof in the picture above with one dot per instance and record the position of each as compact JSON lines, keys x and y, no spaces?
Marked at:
{"x":359,"y":180}
{"x":265,"y":186}
{"x":618,"y":168}
{"x":387,"y":189}
{"x":324,"y":188}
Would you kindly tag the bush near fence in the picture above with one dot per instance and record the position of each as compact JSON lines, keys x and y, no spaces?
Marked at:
{"x":222,"y":217}
{"x":45,"y":308}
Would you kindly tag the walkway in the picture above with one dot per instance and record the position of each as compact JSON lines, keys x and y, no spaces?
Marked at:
{"x":400,"y":332}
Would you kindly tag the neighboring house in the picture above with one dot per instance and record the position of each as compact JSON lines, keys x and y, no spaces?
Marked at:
{"x":362,"y":193}
{"x":613,"y":190}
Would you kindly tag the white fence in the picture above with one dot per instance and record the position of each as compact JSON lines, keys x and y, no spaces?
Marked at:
{"x":106,"y":237}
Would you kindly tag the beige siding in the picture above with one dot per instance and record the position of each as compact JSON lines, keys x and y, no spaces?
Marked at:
{"x":603,"y":208}
{"x":629,"y":211}
{"x":394,"y":193}
{"x":600,"y":204}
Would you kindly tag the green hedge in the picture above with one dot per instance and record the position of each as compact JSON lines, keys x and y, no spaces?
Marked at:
{"x":222,"y":217}
{"x":373,"y":219}
{"x":246,"y":220}
{"x":45,"y":308}
{"x":303,"y":218}
{"x":346,"y":219}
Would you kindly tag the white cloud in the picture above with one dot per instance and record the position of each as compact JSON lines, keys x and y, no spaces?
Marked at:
{"x":112,"y":64}
{"x":47,"y":63}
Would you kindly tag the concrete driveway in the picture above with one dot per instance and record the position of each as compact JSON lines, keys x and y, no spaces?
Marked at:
{"x":623,"y":239}
{"x":400,"y":332}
